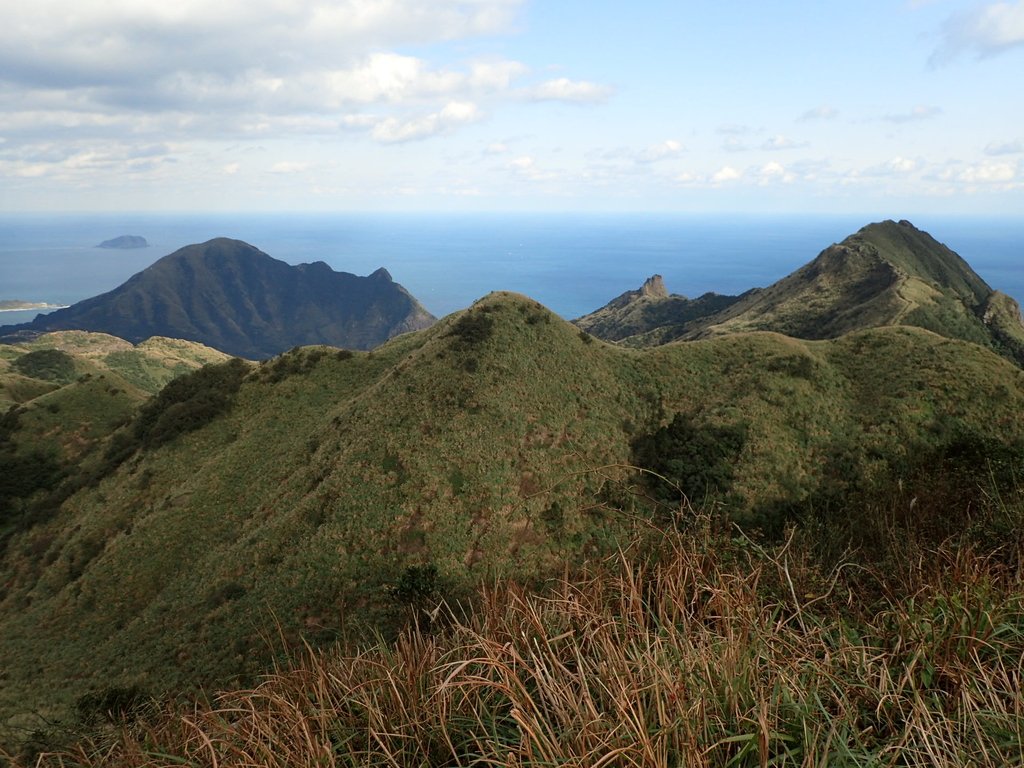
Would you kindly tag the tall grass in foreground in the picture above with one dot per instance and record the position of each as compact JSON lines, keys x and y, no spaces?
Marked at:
{"x":710,"y":650}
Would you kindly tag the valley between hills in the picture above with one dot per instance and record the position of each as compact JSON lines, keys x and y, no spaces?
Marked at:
{"x":778,"y":528}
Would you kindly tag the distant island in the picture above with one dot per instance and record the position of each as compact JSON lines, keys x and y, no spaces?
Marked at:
{"x":21,"y":306}
{"x":125,"y":242}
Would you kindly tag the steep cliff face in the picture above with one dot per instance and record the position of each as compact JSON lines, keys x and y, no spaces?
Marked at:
{"x":233,"y":297}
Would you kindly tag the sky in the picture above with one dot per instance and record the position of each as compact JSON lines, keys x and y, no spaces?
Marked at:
{"x":539,"y":105}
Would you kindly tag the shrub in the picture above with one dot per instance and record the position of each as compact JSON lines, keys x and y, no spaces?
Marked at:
{"x":111,"y":705}
{"x":185,"y":404}
{"x":473,"y":328}
{"x":46,"y":364}
{"x":696,"y":460}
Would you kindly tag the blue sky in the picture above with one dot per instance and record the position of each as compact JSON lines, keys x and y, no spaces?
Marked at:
{"x":891,"y":108}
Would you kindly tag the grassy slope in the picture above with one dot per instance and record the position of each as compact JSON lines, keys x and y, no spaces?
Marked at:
{"x":476,"y":446}
{"x":65,"y":393}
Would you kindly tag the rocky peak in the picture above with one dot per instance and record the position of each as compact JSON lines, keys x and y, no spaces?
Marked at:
{"x":654,"y":287}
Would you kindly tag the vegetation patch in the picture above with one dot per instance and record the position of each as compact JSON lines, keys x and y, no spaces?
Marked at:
{"x":695,"y":460}
{"x":46,"y":364}
{"x":185,"y":404}
{"x":473,"y":328}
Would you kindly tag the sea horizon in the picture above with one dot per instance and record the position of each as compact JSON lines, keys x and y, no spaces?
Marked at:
{"x":571,"y":262}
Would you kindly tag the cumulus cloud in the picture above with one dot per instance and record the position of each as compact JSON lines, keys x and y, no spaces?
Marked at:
{"x":254,"y":68}
{"x":66,"y":44}
{"x":988,"y":173}
{"x":918,"y":113}
{"x":985,"y":31}
{"x":773,"y":172}
{"x":564,"y":89}
{"x":725,"y":174}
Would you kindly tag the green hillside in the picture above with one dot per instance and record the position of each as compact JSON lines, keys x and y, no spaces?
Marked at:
{"x":61,"y":396}
{"x":326,"y":491}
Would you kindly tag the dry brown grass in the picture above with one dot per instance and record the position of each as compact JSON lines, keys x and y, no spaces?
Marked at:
{"x":712,"y":651}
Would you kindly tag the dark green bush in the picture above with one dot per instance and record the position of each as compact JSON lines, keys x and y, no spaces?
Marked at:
{"x":694,"y":459}
{"x":21,"y":475}
{"x":46,"y":364}
{"x":225,"y":593}
{"x":417,"y":586}
{"x":473,"y":328}
{"x":185,"y":404}
{"x":117,"y":704}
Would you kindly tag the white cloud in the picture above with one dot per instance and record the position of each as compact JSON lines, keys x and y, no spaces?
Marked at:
{"x":986,"y":31}
{"x":734,"y":144}
{"x":725,"y":174}
{"x":563,"y":89}
{"x":231,"y":169}
{"x":66,"y":43}
{"x":773,"y":172}
{"x":80,"y":163}
{"x":525,"y":167}
{"x":988,"y":173}
{"x":250,"y":67}
{"x":393,"y":130}
{"x":920,"y":112}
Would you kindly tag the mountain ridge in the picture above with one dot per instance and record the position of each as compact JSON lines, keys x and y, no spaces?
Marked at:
{"x":887,"y":273}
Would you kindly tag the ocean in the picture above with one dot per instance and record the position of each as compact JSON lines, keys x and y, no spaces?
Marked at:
{"x":571,"y":263}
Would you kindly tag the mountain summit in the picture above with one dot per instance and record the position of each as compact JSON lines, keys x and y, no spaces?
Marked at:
{"x":887,"y":273}
{"x":231,"y":296}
